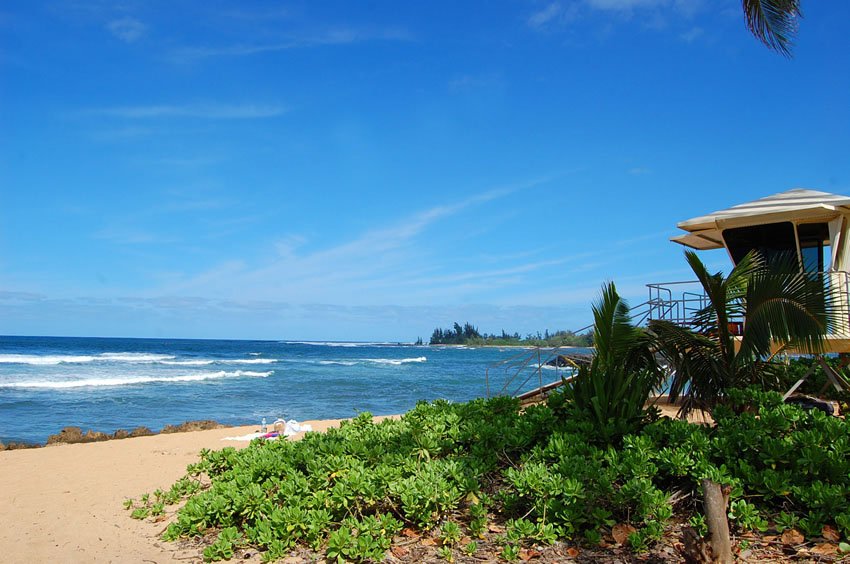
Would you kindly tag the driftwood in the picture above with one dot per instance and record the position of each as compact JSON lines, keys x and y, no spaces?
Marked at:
{"x":715,"y":501}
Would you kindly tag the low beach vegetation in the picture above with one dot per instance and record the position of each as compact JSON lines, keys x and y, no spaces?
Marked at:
{"x":485,"y":477}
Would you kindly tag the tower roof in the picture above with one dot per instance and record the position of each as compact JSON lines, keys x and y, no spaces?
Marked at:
{"x":705,"y":231}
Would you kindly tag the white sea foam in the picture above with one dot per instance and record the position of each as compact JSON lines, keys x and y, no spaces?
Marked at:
{"x":134,"y":357}
{"x":43,"y":360}
{"x":396,"y":361}
{"x":208,"y":361}
{"x":339,"y":362}
{"x":50,"y":359}
{"x":125,"y":357}
{"x":133,"y":380}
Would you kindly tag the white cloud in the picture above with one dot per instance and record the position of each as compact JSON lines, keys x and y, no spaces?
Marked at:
{"x":14,"y":297}
{"x":127,"y":29}
{"x":545,"y":15}
{"x":692,"y":34}
{"x":687,"y":8}
{"x":204,"y":111}
{"x":553,"y":14}
{"x":124,"y":235}
{"x":624,"y":5}
{"x":341,"y":36}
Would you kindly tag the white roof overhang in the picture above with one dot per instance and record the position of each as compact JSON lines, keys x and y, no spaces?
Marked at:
{"x":798,"y":205}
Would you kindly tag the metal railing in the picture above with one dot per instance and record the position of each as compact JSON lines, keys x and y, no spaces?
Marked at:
{"x":676,"y":302}
{"x":678,"y":307}
{"x":526,"y":370}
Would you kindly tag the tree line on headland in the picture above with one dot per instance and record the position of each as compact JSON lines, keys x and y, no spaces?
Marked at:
{"x":468,"y":334}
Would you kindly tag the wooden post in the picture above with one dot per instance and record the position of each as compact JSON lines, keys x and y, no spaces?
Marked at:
{"x":715,"y":502}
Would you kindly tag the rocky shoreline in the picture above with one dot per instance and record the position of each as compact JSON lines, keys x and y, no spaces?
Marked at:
{"x":71,"y":435}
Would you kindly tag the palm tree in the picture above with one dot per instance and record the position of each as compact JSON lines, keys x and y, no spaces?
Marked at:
{"x":782,"y":309}
{"x":613,"y":390}
{"x":773,"y":22}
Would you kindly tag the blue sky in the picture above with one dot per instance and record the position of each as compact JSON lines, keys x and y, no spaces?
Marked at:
{"x":348,"y":170}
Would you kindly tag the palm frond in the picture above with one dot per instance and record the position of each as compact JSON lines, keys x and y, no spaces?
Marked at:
{"x":698,"y":374}
{"x":613,"y":333}
{"x":787,"y":308}
{"x":774,"y":22}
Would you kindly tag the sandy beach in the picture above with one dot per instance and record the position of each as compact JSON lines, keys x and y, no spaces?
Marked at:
{"x":64,"y":503}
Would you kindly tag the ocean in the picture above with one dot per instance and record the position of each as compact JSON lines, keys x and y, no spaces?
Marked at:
{"x":105,"y":384}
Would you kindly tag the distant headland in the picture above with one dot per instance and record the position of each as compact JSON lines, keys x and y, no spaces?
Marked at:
{"x":468,"y":334}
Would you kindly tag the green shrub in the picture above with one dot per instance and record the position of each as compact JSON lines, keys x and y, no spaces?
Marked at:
{"x":348,"y":491}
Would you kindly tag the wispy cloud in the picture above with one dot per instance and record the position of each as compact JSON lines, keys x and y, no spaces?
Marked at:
{"x":371,"y":267}
{"x":545,"y":15}
{"x":17,"y":297}
{"x":692,"y":34}
{"x":685,"y":7}
{"x":128,"y":30}
{"x":639,"y":171}
{"x":242,"y":13}
{"x":654,"y":13}
{"x":131,"y":132}
{"x":130,"y":236}
{"x":467,"y":82}
{"x":620,"y":5}
{"x":200,"y":111}
{"x":341,"y":36}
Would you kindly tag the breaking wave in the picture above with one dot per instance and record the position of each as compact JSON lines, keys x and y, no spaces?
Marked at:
{"x":131,"y":358}
{"x":50,"y":360}
{"x":396,"y":361}
{"x":133,"y":380}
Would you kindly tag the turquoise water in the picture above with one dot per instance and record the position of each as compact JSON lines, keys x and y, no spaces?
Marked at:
{"x":47,"y":383}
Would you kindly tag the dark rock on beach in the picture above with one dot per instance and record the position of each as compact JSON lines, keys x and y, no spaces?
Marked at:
{"x":141,"y":431}
{"x":95,"y":436}
{"x":193,"y":426}
{"x":17,"y":446}
{"x":66,"y":435}
{"x":71,"y":435}
{"x":559,"y":361}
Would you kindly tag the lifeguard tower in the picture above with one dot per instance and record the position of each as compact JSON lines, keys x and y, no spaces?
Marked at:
{"x":813,"y":225}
